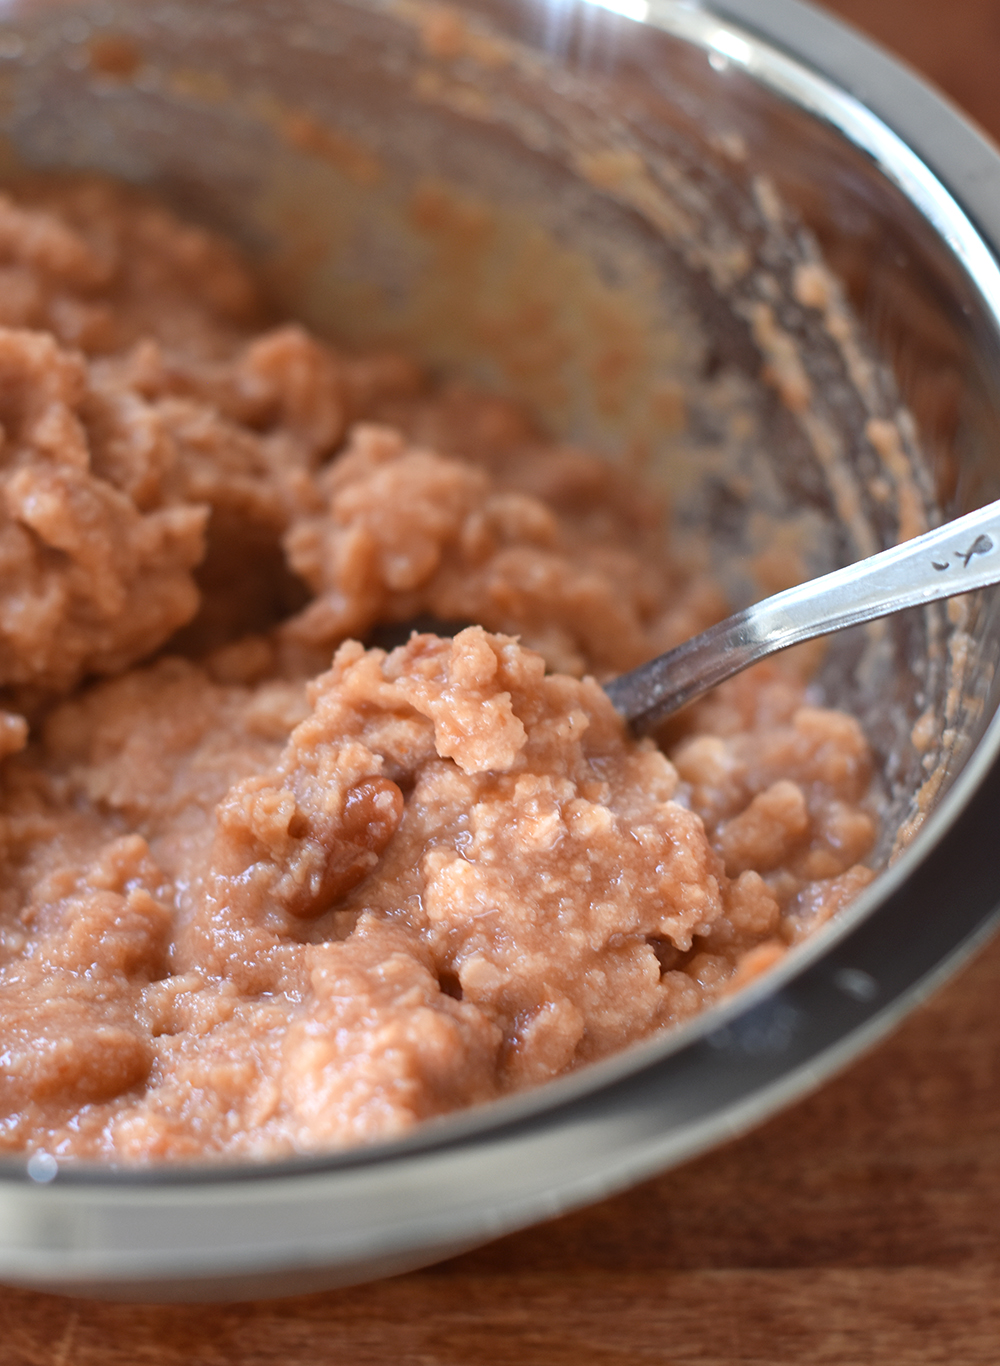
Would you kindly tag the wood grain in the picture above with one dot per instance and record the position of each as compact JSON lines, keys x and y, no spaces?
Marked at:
{"x":861,"y":1228}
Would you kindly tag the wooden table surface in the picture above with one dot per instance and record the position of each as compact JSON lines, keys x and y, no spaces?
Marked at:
{"x":861,"y":1228}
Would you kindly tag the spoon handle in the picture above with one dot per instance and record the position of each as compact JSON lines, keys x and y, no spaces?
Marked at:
{"x":952,"y":559}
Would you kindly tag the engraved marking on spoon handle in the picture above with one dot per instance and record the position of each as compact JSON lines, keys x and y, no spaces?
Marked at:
{"x":954,"y":558}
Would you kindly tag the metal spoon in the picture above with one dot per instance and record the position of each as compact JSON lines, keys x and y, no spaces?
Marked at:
{"x":952,"y":559}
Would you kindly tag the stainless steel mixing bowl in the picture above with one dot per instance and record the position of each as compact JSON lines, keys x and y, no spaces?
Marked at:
{"x":731,"y":242}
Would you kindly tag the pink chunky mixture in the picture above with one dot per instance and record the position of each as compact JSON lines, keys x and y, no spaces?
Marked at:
{"x":253,"y":903}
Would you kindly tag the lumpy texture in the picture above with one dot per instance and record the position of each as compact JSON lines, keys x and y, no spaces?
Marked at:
{"x":274,"y":881}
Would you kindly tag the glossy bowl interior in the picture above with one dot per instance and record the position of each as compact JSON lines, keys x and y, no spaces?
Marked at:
{"x":685,"y":246}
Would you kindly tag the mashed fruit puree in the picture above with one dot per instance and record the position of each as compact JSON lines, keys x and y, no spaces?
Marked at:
{"x":264,"y":889}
